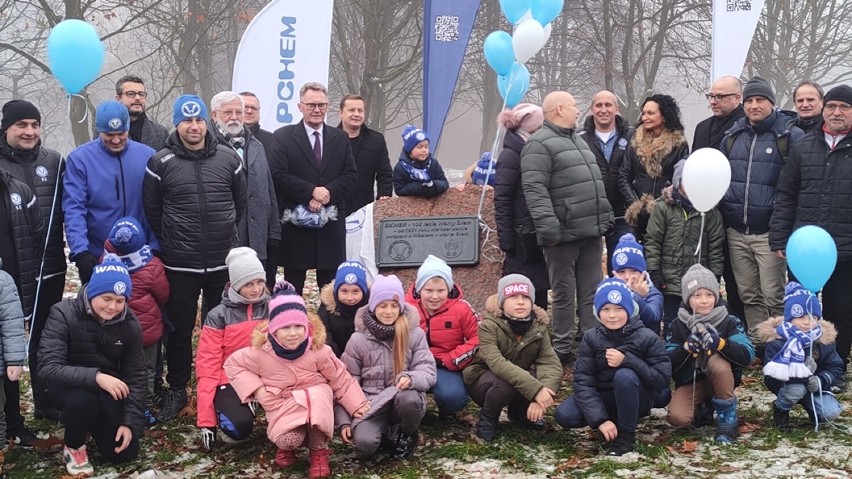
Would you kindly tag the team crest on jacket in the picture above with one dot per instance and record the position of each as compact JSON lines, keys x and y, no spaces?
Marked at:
{"x":614,"y":297}
{"x":622,"y":143}
{"x":41,"y":172}
{"x":16,"y":200}
{"x":190,"y":109}
{"x":120,"y":287}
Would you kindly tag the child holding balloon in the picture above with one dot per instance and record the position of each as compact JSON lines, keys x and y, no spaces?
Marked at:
{"x":672,"y":244}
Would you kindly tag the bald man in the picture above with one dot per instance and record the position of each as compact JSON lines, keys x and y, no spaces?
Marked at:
{"x":607,"y":133}
{"x":725,"y":98}
{"x":567,"y":202}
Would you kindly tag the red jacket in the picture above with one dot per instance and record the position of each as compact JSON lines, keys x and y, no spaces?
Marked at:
{"x":227,"y":328}
{"x":452,"y":331}
{"x":150,"y":291}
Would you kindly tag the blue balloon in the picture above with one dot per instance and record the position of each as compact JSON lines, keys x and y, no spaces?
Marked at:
{"x":514,"y":86}
{"x":499,"y":52}
{"x":545,"y":11}
{"x":812,"y":256}
{"x":75,"y":53}
{"x":514,"y":9}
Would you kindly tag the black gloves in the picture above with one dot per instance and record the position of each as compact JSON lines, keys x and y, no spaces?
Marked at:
{"x":86,"y":263}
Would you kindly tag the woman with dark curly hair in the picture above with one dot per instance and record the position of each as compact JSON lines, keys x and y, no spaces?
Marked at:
{"x":649,"y":164}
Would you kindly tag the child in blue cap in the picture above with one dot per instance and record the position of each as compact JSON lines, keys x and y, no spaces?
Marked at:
{"x":418,"y":173}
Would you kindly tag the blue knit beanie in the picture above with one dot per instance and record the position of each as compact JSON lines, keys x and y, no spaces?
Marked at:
{"x":798,"y":302}
{"x":188,"y":106}
{"x":613,"y":291}
{"x":628,"y":254}
{"x":433,"y":267}
{"x":411,"y":136}
{"x":351,"y":272}
{"x":126,"y":235}
{"x":112,"y":117}
{"x":110,"y":276}
{"x":485,"y":167}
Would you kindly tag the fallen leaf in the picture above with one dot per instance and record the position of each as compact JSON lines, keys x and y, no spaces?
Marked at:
{"x":748,"y":427}
{"x":686,"y":447}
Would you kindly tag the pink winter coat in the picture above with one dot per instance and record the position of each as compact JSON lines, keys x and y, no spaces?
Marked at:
{"x":301,"y":392}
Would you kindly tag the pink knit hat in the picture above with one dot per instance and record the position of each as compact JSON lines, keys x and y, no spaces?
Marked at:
{"x":287,"y":308}
{"x":525,"y":117}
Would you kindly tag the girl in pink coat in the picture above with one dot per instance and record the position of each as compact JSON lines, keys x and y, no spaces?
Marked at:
{"x":296,"y":378}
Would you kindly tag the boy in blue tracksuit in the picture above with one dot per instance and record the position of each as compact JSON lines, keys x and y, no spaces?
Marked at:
{"x":801,"y":359}
{"x":102,"y":183}
{"x":628,"y":265}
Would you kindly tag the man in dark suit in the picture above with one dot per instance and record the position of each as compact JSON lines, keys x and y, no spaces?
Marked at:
{"x":371,"y":155}
{"x":312,"y":167}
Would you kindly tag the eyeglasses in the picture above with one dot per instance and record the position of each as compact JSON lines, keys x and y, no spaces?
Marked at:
{"x":230,"y":113}
{"x":314,"y":106}
{"x":718,"y":97}
{"x":844,"y":107}
{"x":251,"y":108}
{"x":133,"y":94}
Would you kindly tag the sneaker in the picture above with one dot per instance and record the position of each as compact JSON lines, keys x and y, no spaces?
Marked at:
{"x":405,"y":445}
{"x":172,"y":404}
{"x":77,"y":461}
{"x":25,"y":439}
{"x":150,"y":419}
{"x":622,"y":444}
{"x":839,"y":386}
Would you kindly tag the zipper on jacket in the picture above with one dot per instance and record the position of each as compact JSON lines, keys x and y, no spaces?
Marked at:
{"x":123,"y":186}
{"x":202,"y":210}
{"x":748,"y":181}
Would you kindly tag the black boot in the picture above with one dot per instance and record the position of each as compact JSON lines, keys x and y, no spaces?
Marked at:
{"x":781,"y":419}
{"x":622,"y":444}
{"x":486,"y":427}
{"x":172,"y":405}
{"x":405,"y":445}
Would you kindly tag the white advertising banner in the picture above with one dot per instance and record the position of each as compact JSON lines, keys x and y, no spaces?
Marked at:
{"x":734,"y":22}
{"x":285,"y":46}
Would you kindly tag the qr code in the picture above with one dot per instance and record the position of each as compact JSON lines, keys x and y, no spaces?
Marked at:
{"x":739,"y":5}
{"x":447,"y":28}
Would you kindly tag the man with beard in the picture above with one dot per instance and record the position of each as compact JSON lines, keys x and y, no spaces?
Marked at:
{"x":195,"y":196}
{"x":130,"y":91}
{"x":371,"y":155}
{"x":251,"y":120}
{"x":259,"y":229}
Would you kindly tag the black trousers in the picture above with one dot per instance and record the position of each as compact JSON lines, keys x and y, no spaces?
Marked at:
{"x":95,"y":412}
{"x":235,"y":418}
{"x":183,"y":311}
{"x":837,"y":306}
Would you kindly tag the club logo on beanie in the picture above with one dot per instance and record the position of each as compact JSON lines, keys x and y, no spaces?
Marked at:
{"x":614,"y":297}
{"x":114,"y":123}
{"x":190,"y":109}
{"x":119,"y":288}
{"x":797,"y":310}
{"x":350,"y":278}
{"x":621,"y":259}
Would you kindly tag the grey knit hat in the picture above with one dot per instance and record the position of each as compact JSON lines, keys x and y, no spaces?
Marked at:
{"x":698,"y":277}
{"x":243,"y":267}
{"x":513,"y":284}
{"x":757,"y":86}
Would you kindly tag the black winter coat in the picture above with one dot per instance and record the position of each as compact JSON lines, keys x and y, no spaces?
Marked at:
{"x":515,"y":229}
{"x":644,"y":353}
{"x":41,"y":169}
{"x":295,"y":173}
{"x":755,"y":168}
{"x":612,"y":168}
{"x":710,"y":131}
{"x":75,"y":346}
{"x":23,"y":211}
{"x":375,"y":175}
{"x":193,"y":202}
{"x":634,"y":180}
{"x":815,"y":188}
{"x":152,"y":134}
{"x":404,"y":185}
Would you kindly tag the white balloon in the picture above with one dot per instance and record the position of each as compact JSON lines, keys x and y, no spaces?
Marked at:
{"x":706,"y":177}
{"x":527,"y":39}
{"x":547,"y":30}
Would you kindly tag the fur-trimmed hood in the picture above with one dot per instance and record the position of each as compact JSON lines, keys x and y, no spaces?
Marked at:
{"x":492,"y":308}
{"x":639,"y":211}
{"x":327,"y":298}
{"x":408,"y":311}
{"x":766,"y":330}
{"x":259,"y":335}
{"x":653,"y":150}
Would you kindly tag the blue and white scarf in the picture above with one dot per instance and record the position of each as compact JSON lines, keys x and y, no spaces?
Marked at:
{"x":789,"y":362}
{"x":418,"y":174}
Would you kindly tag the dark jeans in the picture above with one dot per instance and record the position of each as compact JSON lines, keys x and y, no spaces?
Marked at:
{"x":625,"y":404}
{"x":235,"y":418}
{"x":837,"y":306}
{"x":95,"y":412}
{"x":183,"y":310}
{"x":449,"y":392}
{"x":671,"y":305}
{"x":296,"y":277}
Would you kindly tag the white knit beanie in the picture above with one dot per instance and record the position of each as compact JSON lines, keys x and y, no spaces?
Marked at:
{"x":243,"y":267}
{"x":433,"y":267}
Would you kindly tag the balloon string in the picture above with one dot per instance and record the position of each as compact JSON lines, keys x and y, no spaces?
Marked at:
{"x":700,"y":237}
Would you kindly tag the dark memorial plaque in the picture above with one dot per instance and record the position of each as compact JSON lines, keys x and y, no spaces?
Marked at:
{"x":408,"y":241}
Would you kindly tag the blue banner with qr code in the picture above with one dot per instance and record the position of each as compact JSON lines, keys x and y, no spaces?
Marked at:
{"x":446,"y":31}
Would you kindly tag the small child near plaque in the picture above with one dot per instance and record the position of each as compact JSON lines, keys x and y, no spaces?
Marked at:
{"x":418,"y":173}
{"x":451,"y":325}
{"x":516,"y":365}
{"x":340,"y":300}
